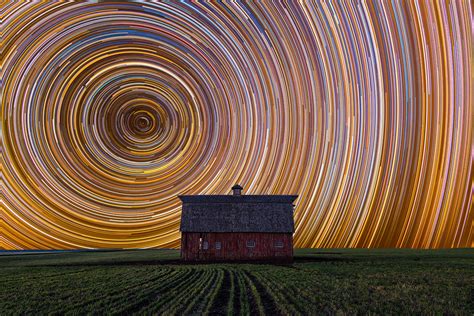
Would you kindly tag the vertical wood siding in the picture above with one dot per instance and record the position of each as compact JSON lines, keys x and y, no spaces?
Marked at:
{"x":234,"y":247}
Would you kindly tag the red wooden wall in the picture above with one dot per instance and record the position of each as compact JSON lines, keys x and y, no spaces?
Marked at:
{"x":234,"y":246}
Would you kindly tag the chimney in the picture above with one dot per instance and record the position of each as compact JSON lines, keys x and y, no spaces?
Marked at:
{"x":237,"y":190}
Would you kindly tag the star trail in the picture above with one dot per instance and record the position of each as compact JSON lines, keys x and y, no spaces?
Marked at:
{"x":111,"y":110}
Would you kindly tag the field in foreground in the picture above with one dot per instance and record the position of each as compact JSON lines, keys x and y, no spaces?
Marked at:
{"x":320,"y":281}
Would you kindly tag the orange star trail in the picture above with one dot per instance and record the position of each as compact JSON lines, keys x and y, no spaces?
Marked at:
{"x":365,"y":110}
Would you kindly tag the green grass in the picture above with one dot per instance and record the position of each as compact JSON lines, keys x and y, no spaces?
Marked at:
{"x":336,"y":281}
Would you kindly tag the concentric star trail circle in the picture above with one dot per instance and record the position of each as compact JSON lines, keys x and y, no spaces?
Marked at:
{"x":111,"y":110}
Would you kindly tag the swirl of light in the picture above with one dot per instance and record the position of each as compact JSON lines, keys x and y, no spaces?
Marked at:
{"x":111,"y":110}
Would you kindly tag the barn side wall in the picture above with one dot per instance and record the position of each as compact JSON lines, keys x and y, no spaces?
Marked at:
{"x":234,"y":247}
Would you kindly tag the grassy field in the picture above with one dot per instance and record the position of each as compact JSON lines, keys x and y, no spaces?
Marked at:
{"x":342,"y":281}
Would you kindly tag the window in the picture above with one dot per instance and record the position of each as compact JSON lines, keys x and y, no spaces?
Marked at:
{"x":218,"y":245}
{"x":205,"y":245}
{"x":200,"y":243}
{"x":250,"y":243}
{"x":279,"y":244}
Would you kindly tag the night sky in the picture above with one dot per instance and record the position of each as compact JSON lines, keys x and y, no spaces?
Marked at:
{"x":111,"y":110}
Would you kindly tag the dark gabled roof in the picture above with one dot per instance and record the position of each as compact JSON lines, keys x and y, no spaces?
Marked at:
{"x":230,"y":213}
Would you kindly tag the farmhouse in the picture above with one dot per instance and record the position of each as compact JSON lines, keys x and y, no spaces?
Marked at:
{"x":237,"y":227}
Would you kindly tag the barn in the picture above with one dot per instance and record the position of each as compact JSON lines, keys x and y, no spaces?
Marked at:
{"x":237,"y":227}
